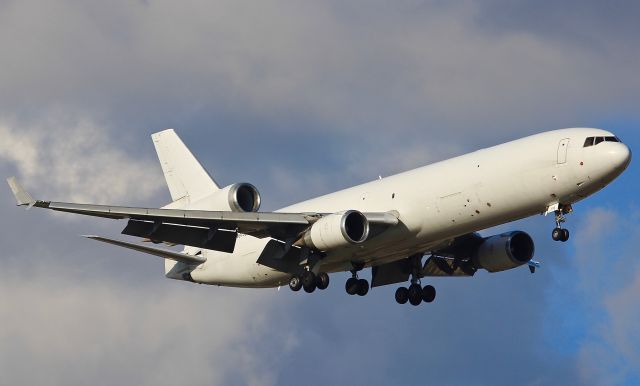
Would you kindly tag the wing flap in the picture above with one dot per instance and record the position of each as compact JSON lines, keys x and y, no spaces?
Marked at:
{"x":440,"y":266}
{"x":253,"y":223}
{"x":217,"y":239}
{"x":179,"y":257}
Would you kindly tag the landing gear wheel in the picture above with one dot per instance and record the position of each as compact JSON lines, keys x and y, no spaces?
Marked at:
{"x":309,"y":289}
{"x":415,"y":294}
{"x":557,"y":234}
{"x":352,"y":286}
{"x":322,"y":280}
{"x":565,"y":235}
{"x":295,"y":283}
{"x":363,"y":287}
{"x":308,"y":281}
{"x":428,"y":293}
{"x":402,"y":295}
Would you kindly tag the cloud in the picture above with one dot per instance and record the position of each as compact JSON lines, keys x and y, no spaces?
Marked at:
{"x":74,"y":159}
{"x":301,"y":99}
{"x":416,"y":69}
{"x":609,"y":283}
{"x":59,"y":329}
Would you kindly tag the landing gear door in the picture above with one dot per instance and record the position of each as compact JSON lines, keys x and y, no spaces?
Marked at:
{"x":562,"y":151}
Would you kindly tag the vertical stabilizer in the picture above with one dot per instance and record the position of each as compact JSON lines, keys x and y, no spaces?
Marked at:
{"x":186,"y":178}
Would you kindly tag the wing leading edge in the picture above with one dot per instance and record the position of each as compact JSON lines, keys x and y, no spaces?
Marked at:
{"x":215,"y":230}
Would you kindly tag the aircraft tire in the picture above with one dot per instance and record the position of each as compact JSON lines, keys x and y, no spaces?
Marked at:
{"x":308,"y":278}
{"x":351,"y":286}
{"x":428,"y":293}
{"x":310,"y":288}
{"x":322,"y":280}
{"x":415,"y":294}
{"x":557,"y":234}
{"x":402,"y":295}
{"x":363,"y":287}
{"x":565,"y":235}
{"x":295,"y":283}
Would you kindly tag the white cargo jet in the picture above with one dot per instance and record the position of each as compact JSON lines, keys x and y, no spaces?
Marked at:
{"x":406,"y":227}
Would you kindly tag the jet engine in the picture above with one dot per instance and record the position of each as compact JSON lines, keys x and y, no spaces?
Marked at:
{"x":240,"y":197}
{"x":337,"y":230}
{"x":504,"y":251}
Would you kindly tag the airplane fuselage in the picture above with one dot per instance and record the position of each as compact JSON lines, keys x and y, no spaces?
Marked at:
{"x":436,"y":203}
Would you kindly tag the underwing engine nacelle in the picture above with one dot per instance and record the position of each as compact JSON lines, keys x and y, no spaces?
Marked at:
{"x":337,"y":230}
{"x":240,"y":197}
{"x":504,"y":251}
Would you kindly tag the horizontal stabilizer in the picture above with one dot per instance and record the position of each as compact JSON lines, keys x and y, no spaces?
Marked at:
{"x":21,"y":195}
{"x":179,"y":257}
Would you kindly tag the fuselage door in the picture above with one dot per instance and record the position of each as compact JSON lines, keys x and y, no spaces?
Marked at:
{"x":562,"y":150}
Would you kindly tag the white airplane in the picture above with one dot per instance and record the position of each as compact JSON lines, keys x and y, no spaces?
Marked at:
{"x":391,"y":224}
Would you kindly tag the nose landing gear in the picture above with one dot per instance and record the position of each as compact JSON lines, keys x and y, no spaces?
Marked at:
{"x":559,"y":233}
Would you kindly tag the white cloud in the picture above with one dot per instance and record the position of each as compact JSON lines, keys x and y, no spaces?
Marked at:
{"x":61,"y":330}
{"x":609,"y":276}
{"x":77,"y":160}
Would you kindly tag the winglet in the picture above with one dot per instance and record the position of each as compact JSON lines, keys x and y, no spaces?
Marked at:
{"x":21,"y":195}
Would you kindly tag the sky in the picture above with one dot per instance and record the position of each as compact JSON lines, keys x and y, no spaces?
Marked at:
{"x":301,"y":99}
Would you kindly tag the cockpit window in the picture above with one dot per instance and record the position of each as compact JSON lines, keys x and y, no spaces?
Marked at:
{"x":588,"y":142}
{"x":591,"y":141}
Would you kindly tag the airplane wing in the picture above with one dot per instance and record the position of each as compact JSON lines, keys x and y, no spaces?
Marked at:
{"x":215,"y":230}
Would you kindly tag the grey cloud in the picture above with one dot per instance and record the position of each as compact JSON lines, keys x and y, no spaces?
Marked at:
{"x":372,"y":70}
{"x":59,"y":331}
{"x":75,"y":159}
{"x":300,"y":99}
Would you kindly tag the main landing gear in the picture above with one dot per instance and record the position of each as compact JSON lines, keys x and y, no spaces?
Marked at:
{"x":356,"y":286}
{"x":416,"y":294}
{"x":559,"y":233}
{"x":309,"y":281}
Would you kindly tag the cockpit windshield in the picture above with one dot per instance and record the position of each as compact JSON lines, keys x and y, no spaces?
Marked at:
{"x":592,"y":141}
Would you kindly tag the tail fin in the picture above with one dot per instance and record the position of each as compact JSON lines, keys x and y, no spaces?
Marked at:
{"x":185,"y":176}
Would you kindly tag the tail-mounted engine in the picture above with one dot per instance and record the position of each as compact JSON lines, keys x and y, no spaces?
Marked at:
{"x":337,"y":230}
{"x":504,"y":251}
{"x":240,"y":197}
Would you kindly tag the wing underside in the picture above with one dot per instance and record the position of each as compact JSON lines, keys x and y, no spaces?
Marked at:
{"x":216,"y":230}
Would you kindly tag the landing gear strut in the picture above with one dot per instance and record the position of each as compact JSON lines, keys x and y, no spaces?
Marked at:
{"x":416,"y":294}
{"x":559,"y":233}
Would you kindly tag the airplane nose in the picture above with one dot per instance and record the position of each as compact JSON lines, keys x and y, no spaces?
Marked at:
{"x":620,"y":156}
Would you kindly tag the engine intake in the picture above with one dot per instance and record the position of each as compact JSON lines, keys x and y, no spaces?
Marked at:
{"x":240,"y":197}
{"x":504,"y":251}
{"x":337,"y":230}
{"x":244,"y":197}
